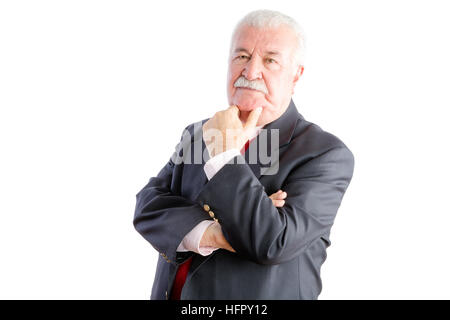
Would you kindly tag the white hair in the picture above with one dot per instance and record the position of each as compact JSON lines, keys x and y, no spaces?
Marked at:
{"x":272,"y":19}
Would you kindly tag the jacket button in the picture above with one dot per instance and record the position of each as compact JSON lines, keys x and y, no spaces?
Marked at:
{"x":206,"y":207}
{"x":215,"y":219}
{"x":211,"y":214}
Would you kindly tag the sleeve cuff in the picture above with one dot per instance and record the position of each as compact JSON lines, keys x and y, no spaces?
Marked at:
{"x":213,"y":165}
{"x":191,"y":242}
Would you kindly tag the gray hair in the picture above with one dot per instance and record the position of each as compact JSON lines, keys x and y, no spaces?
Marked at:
{"x":273,"y":19}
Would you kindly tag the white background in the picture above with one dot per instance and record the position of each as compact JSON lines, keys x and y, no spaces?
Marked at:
{"x":94,"y":96}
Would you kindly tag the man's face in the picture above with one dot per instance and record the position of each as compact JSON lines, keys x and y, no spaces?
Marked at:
{"x":264,"y":58}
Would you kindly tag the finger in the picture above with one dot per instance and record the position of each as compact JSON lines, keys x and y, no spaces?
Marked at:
{"x":282,"y":195}
{"x":252,"y":119}
{"x":228,"y":247}
{"x":279,"y":195}
{"x":274,"y":196}
{"x":278,"y":203}
{"x":235,"y":109}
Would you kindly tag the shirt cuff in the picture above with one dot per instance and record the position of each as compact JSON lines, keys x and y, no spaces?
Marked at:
{"x":191,"y":241}
{"x":213,"y":165}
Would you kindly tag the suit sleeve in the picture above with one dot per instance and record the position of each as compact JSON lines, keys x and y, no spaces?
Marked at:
{"x":265,"y":234}
{"x":162,"y":216}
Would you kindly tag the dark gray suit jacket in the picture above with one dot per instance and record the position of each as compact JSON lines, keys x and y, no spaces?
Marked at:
{"x":279,"y":251}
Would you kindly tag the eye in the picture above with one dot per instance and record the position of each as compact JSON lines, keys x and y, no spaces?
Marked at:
{"x":242,"y":57}
{"x":270,"y":60}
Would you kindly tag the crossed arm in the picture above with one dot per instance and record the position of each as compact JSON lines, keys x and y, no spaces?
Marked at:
{"x":213,"y":235}
{"x":163,"y":217}
{"x":252,"y":225}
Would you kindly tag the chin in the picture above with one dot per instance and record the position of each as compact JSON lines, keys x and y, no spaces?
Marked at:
{"x":249,"y":102}
{"x":246,"y":107}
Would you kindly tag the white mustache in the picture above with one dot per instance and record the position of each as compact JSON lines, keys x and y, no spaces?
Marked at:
{"x":259,"y":85}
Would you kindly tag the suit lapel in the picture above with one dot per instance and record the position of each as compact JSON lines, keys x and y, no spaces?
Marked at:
{"x":280,"y":129}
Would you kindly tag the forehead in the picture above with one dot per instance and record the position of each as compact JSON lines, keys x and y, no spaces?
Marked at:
{"x":281,"y":39}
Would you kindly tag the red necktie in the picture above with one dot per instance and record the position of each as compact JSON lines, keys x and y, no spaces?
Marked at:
{"x":183,"y":269}
{"x":180,"y":279}
{"x":245,"y":147}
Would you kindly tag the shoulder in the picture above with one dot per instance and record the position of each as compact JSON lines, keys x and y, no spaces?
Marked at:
{"x":310,"y":139}
{"x":189,"y":135}
{"x":319,"y":152}
{"x":194,"y":129}
{"x":313,"y":135}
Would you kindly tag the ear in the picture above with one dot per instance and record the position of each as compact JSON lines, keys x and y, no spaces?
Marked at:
{"x":297,"y":75}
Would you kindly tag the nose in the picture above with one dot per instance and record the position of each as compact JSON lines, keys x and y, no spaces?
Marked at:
{"x":252,"y":69}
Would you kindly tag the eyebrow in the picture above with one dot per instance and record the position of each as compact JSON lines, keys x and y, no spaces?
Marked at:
{"x":270,"y":52}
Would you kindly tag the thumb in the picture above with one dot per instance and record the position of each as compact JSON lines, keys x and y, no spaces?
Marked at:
{"x":234,"y":108}
{"x":252,"y":119}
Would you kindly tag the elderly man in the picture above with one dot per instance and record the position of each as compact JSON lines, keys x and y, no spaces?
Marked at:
{"x":232,"y":225}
